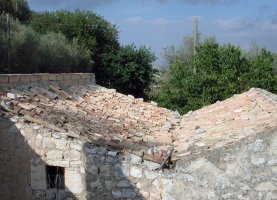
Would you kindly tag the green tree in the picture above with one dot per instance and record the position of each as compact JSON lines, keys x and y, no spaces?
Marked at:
{"x":31,"y":52}
{"x":18,"y":9}
{"x":129,"y":69}
{"x":90,"y":30}
{"x":222,"y":70}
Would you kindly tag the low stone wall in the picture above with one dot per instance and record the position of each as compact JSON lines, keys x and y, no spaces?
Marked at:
{"x":73,"y":79}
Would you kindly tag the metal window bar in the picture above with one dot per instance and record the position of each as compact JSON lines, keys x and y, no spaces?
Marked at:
{"x":55,"y":181}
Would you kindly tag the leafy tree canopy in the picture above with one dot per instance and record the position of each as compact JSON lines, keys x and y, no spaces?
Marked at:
{"x":129,"y":70}
{"x":90,"y":30}
{"x":221,"y":71}
{"x":18,"y":9}
{"x":31,"y":52}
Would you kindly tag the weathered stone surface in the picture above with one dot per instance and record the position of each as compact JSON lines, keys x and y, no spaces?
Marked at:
{"x":105,"y":170}
{"x":135,"y":159}
{"x":109,"y":184}
{"x":38,"y":180}
{"x":151,"y":174}
{"x":49,"y":143}
{"x":127,"y":193}
{"x":96,"y":184}
{"x":59,"y":163}
{"x":54,"y":155}
{"x":116,"y":193}
{"x":274,"y":170}
{"x":73,"y":182}
{"x":136,"y":172}
{"x":92,"y":169}
{"x":258,"y":146}
{"x":151,"y":165}
{"x":72,"y":155}
{"x":265,"y":186}
{"x":272,"y":161}
{"x":4,"y":78}
{"x":124,"y":183}
{"x":256,"y":160}
{"x":112,"y":153}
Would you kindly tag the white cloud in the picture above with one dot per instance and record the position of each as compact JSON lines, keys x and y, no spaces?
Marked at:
{"x":234,"y":24}
{"x":155,"y":21}
{"x":135,"y":20}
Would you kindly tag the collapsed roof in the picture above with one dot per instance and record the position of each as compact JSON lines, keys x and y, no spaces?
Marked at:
{"x":124,"y":123}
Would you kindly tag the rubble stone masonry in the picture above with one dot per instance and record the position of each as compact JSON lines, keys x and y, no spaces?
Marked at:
{"x":113,"y":146}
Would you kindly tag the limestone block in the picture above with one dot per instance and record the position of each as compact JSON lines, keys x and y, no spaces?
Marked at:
{"x":124,"y":183}
{"x":116,"y":193}
{"x":48,"y":143}
{"x":274,"y":170}
{"x":128,"y":193}
{"x":105,"y":170}
{"x":61,"y":144}
{"x":109,"y":184}
{"x":144,"y":194}
{"x":67,"y":76}
{"x":38,"y":177}
{"x":136,"y":172}
{"x":151,"y":165}
{"x":121,"y":170}
{"x":143,"y":184}
{"x":92,"y":169}
{"x":92,"y":78}
{"x":78,"y":147}
{"x":265,"y":186}
{"x":52,"y":77}
{"x":72,"y":155}
{"x":96,"y":184}
{"x":36,"y":77}
{"x":73,"y":181}
{"x":54,"y":155}
{"x":59,"y":163}
{"x":255,"y":160}
{"x":4,"y":78}
{"x":135,"y":159}
{"x":151,"y":174}
{"x":14,"y":78}
{"x":59,"y":77}
{"x":258,"y":146}
{"x":112,"y":153}
{"x":25,"y":77}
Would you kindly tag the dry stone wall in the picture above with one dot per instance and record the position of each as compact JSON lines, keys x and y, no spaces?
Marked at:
{"x":13,"y":80}
{"x":247,"y":170}
{"x":90,"y":171}
{"x":110,"y":164}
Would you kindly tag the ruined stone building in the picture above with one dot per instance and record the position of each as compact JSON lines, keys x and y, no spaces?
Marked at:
{"x":64,"y":137}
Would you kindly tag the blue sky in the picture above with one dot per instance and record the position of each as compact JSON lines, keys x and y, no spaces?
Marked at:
{"x":158,"y":23}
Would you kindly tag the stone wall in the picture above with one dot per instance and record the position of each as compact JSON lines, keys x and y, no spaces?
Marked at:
{"x":244,"y":170}
{"x":247,"y":170}
{"x":91,"y":171}
{"x":13,"y":80}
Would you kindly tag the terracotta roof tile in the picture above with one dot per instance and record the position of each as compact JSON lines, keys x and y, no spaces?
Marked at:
{"x":126,"y":123}
{"x":252,"y":112}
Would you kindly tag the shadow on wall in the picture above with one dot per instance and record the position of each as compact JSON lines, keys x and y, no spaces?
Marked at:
{"x":107,"y":174}
{"x":15,"y":164}
{"x":25,"y":173}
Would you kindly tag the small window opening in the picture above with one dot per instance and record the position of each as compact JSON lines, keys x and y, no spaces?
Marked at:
{"x":55,"y":177}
